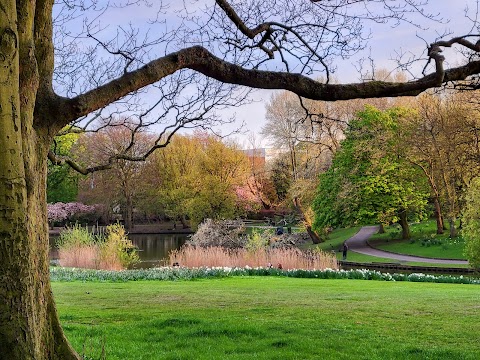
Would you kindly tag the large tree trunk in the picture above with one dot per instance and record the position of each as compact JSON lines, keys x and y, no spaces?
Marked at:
{"x":29,"y":325}
{"x":404,"y":224}
{"x":453,"y":229}
{"x":381,"y":229}
{"x":438,"y":216}
{"x":316,"y":239}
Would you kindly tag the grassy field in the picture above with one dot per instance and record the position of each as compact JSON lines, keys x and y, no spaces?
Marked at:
{"x":271,"y":318}
{"x":424,"y":242}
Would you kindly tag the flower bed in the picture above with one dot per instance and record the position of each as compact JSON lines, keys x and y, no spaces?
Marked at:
{"x":183,"y":273}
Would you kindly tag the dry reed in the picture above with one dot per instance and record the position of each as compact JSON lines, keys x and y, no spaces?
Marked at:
{"x":291,"y":258}
{"x":88,"y":257}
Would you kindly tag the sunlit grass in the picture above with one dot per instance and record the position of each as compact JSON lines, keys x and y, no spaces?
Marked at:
{"x":271,"y":318}
{"x":424,"y":242}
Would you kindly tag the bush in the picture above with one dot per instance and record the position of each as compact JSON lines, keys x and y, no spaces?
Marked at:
{"x":117,"y":248}
{"x":257,"y":240}
{"x":228,"y":234}
{"x":80,"y":248}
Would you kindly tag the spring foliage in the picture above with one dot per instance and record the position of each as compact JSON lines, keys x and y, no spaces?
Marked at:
{"x":370,"y":181}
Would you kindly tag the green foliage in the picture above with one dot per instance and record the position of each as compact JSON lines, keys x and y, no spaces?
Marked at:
{"x":62,"y":180}
{"x":369,"y":180}
{"x":196,"y":178}
{"x":117,"y":243}
{"x":256,"y":240}
{"x":471,"y":224}
{"x":75,"y":236}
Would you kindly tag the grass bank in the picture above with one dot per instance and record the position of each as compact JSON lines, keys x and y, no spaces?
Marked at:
{"x":270,"y":318}
{"x":424,"y":242}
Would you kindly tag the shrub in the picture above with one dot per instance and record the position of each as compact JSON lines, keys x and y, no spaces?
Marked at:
{"x":60,"y":212}
{"x":471,"y":224}
{"x":224,"y":233}
{"x":80,"y":248}
{"x":116,"y":248}
{"x":257,"y":240}
{"x":77,"y":248}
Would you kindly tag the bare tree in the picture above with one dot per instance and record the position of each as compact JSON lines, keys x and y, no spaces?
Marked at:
{"x":47,"y":83}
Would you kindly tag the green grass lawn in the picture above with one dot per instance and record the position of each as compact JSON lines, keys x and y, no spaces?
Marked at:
{"x":271,"y":318}
{"x":425,"y":242}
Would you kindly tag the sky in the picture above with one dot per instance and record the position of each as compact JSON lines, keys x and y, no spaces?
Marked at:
{"x":385,"y":41}
{"x":382,"y":46}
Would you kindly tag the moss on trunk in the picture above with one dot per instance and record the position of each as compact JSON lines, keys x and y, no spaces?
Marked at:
{"x":29,"y":325}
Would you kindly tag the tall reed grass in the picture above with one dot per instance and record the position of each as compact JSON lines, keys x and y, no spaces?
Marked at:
{"x":288,"y":258}
{"x":79,"y":248}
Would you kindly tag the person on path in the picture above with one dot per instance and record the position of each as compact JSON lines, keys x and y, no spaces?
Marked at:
{"x":344,"y":250}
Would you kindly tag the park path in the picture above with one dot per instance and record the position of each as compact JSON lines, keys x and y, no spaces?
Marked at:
{"x":358,"y":243}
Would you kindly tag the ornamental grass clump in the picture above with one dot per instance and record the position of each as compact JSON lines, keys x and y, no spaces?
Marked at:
{"x":285,"y":258}
{"x":81,"y":249}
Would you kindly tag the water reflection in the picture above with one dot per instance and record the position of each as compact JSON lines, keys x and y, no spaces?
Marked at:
{"x":153,"y":248}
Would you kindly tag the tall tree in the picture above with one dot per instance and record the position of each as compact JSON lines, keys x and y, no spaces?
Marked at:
{"x":196,"y":176}
{"x":230,"y":42}
{"x":122,"y":182}
{"x":369,"y":181}
{"x":442,"y":140}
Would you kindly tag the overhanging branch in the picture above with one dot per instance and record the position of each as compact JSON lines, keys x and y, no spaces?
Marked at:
{"x":200,"y":59}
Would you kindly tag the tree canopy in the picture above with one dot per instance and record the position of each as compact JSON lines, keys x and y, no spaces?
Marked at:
{"x":370,"y":181}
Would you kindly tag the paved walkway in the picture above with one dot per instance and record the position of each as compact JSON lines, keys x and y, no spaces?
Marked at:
{"x":358,"y":243}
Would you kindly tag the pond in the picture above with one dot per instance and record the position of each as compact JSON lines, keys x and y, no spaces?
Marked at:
{"x":153,"y":248}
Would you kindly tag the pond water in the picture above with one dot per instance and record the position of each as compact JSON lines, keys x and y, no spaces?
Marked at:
{"x":153,"y":248}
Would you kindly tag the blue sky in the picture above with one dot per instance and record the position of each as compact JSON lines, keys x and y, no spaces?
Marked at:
{"x":382,"y":47}
{"x":385,"y":40}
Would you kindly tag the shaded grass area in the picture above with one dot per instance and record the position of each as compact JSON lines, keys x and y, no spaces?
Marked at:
{"x":270,"y":318}
{"x":424,"y":242}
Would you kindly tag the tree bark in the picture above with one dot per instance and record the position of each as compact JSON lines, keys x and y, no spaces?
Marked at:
{"x":404,"y":224}
{"x":128,"y":213}
{"x":381,"y":229}
{"x":453,"y":229}
{"x":308,"y":226}
{"x":29,"y":325}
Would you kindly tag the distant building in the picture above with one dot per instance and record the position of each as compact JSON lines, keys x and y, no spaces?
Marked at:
{"x":256,"y":157}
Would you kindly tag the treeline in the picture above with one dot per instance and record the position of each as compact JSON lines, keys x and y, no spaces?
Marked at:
{"x":195,"y":177}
